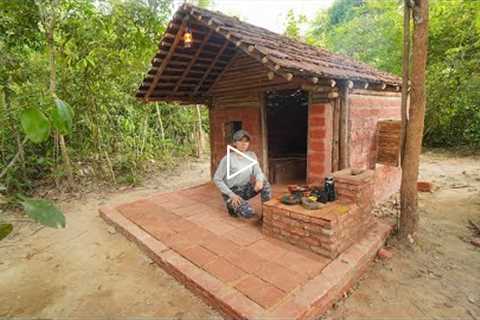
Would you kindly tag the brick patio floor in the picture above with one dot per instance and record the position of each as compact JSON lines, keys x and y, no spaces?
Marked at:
{"x":230,"y":263}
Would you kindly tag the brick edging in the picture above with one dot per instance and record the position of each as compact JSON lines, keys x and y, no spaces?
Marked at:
{"x":228,"y":301}
{"x":306,"y":302}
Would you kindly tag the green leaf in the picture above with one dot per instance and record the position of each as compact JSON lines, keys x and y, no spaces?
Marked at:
{"x":62,"y":117}
{"x":43,"y":212}
{"x":5,"y":230}
{"x":35,"y":125}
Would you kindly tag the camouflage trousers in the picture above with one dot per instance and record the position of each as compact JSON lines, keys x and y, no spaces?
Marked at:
{"x":246,"y":192}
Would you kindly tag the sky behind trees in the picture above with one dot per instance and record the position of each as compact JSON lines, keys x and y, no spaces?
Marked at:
{"x":269,"y":14}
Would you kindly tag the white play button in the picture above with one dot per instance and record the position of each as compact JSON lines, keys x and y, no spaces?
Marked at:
{"x":250,"y":163}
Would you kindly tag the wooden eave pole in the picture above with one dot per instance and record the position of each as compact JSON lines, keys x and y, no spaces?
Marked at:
{"x":165,"y":61}
{"x":344,"y":161}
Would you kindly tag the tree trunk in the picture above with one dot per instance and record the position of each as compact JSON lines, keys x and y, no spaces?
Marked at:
{"x":53,"y":89}
{"x":414,"y":131}
{"x":11,"y":118}
{"x":160,"y":122}
{"x":200,"y":132}
{"x":406,"y":73}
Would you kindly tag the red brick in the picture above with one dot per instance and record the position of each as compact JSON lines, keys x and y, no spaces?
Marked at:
{"x":224,"y":270}
{"x":218,"y":226}
{"x":317,"y":145}
{"x":244,"y":236}
{"x":240,"y":307}
{"x":178,"y":241}
{"x":317,"y":120}
{"x":138,"y":209}
{"x":317,"y":133}
{"x":424,"y":186}
{"x":198,"y":255}
{"x":159,"y":231}
{"x":280,"y":276}
{"x":180,"y":225}
{"x":245,"y":260}
{"x":193,"y":209}
{"x":384,"y":254}
{"x":268,"y":248}
{"x":221,"y":246}
{"x":317,"y":109}
{"x":260,"y":291}
{"x":289,"y":310}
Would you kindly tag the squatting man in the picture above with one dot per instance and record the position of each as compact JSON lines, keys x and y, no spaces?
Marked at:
{"x":239,"y":188}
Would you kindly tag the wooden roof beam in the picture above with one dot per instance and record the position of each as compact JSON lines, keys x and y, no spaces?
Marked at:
{"x":212,"y":64}
{"x":166,"y":60}
{"x":232,"y":60}
{"x":249,"y":49}
{"x":192,"y":62}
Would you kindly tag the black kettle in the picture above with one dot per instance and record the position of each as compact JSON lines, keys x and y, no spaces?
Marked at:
{"x":329,"y":188}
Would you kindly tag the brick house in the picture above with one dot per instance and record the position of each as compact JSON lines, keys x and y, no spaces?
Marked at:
{"x":310,"y":112}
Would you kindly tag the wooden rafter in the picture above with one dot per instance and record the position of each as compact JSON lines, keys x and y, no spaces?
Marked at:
{"x":166,"y":60}
{"x":227,"y":67}
{"x":212,"y":64}
{"x":192,"y":62}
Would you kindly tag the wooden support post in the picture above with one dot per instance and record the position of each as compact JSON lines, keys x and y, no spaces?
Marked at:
{"x":336,"y":135}
{"x":263,"y":117}
{"x":211,"y":138}
{"x":344,"y":126}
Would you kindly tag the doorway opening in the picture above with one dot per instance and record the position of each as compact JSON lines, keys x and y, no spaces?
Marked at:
{"x":287,"y":126}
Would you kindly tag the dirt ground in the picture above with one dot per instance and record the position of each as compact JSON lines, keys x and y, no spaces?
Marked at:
{"x":90,"y":271}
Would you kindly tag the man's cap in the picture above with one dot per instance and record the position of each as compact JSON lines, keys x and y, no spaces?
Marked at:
{"x":238,"y":135}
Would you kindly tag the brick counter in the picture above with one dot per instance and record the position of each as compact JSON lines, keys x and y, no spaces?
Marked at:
{"x":331,"y":229}
{"x":327,"y":231}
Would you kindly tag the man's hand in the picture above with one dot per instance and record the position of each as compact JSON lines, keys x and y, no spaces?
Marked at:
{"x":236,"y":200}
{"x":258,"y":185}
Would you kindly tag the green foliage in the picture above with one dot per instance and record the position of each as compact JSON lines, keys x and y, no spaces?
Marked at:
{"x":35,"y":125}
{"x":453,"y":113}
{"x":204,"y":3}
{"x":103,"y":50}
{"x":62,"y":117}
{"x":371,"y":31}
{"x":43,"y":211}
{"x":293,"y":23}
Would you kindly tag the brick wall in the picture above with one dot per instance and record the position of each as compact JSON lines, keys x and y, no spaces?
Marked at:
{"x":250,"y":118}
{"x":366,"y":110}
{"x":327,"y":231}
{"x":319,"y":152}
{"x":387,"y":181}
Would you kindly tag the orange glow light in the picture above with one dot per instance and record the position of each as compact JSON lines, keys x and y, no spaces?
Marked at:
{"x":187,"y":39}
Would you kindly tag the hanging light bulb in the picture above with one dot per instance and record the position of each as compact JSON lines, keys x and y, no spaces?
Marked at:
{"x":188,"y":37}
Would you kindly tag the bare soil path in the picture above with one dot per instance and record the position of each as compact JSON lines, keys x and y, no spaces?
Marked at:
{"x":89,"y":271}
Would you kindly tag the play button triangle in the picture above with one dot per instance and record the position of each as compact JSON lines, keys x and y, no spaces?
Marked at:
{"x":230,"y":151}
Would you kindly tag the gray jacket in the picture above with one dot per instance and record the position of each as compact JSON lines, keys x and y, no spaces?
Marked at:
{"x":237,"y":162}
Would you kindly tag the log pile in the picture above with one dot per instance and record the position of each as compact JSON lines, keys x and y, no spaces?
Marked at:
{"x":388,"y":142}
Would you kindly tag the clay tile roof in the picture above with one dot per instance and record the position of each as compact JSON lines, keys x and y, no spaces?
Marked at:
{"x":284,"y":55}
{"x":299,"y":58}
